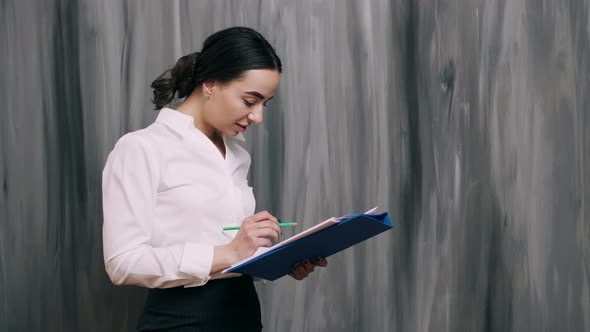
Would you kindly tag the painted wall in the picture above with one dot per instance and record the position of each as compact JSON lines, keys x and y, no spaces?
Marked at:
{"x":467,"y":120}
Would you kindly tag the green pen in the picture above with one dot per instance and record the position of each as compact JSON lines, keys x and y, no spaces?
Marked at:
{"x":280,"y":224}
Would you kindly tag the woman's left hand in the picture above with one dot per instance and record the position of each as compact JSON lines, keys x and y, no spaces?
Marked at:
{"x":302,"y":269}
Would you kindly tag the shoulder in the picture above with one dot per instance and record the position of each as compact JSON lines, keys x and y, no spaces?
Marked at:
{"x":148,"y":144}
{"x":134,"y":153}
{"x":140,"y":140}
{"x":153,"y":138}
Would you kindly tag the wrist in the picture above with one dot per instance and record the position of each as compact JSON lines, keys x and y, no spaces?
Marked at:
{"x":224,"y":256}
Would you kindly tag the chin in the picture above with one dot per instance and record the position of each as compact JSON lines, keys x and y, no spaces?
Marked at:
{"x":231,"y":133}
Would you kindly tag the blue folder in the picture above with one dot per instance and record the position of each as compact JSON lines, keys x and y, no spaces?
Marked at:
{"x":354,"y":229}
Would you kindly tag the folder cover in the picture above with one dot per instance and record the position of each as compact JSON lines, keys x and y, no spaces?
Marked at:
{"x":340,"y":234}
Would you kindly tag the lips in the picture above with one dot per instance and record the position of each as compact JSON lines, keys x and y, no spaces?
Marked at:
{"x":242,"y":128}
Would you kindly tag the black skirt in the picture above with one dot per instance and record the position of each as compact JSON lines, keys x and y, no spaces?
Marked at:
{"x":219,"y":305}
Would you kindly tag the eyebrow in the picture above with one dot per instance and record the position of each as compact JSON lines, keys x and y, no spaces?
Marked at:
{"x":256,"y":94}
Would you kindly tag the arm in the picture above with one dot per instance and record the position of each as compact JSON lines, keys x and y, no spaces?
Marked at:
{"x":130,"y":185}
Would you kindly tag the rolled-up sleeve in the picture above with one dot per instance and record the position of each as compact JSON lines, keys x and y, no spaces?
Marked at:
{"x":130,"y":188}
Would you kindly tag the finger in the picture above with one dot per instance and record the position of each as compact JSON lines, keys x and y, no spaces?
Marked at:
{"x":269,"y":224}
{"x":262,"y":215}
{"x":263,"y":242}
{"x":296,"y":272}
{"x":268,"y":233}
{"x":253,"y":229}
{"x":295,"y":276}
{"x":307,"y":266}
{"x":319,"y":261}
{"x":302,"y":272}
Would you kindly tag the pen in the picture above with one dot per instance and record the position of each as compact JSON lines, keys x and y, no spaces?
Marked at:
{"x":280,"y":224}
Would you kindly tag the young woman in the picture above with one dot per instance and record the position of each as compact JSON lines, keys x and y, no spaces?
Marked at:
{"x":170,"y":188}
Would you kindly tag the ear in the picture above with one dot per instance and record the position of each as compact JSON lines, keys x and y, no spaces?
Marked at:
{"x":208,"y":87}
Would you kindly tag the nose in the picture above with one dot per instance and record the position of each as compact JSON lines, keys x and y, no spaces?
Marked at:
{"x":256,"y":115}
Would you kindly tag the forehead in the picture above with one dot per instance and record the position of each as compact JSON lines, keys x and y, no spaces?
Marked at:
{"x":264,"y":81}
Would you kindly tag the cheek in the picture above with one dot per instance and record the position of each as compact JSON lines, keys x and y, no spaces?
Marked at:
{"x":223,"y":111}
{"x":230,"y":109}
{"x":237,"y":109}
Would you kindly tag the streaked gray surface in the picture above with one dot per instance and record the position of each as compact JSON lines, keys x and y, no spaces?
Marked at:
{"x":466,"y":120}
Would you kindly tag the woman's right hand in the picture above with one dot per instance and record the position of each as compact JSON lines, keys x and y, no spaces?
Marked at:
{"x":258,"y":230}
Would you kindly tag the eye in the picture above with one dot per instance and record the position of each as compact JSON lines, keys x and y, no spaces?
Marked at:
{"x":249,"y":104}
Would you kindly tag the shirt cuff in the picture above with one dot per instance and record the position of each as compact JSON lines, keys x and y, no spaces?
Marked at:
{"x":197,"y":260}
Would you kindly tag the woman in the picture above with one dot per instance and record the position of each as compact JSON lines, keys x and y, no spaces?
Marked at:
{"x":170,"y":188}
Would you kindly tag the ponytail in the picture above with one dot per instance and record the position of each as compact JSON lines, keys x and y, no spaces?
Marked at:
{"x":177,"y":79}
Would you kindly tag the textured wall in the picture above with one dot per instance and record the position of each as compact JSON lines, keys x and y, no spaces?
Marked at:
{"x":466,"y":119}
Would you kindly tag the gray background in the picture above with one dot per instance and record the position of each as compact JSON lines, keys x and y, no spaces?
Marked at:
{"x":467,"y":120}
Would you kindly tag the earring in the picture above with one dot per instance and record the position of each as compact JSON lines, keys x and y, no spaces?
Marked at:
{"x":206,"y":97}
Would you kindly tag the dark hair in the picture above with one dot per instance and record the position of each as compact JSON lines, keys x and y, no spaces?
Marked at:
{"x":225,"y":56}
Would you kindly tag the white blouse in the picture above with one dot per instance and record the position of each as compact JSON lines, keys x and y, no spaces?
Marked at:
{"x":167,"y":194}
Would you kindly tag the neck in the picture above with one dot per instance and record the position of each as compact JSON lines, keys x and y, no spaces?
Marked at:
{"x":193,"y":106}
